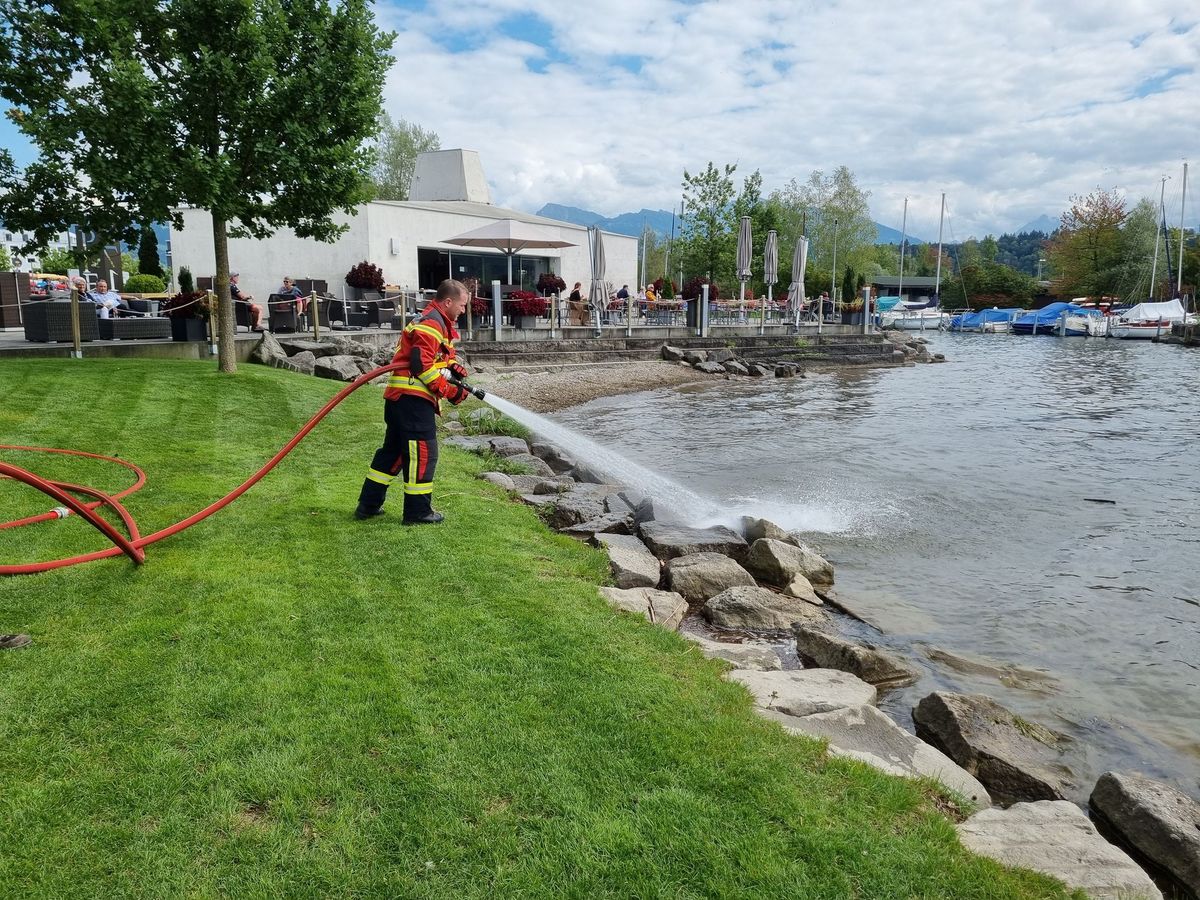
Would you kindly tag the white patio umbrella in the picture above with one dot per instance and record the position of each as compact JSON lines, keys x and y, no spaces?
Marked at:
{"x":745,"y":249}
{"x":796,"y":288}
{"x":770,"y":273}
{"x":598,"y":294}
{"x":510,"y":237}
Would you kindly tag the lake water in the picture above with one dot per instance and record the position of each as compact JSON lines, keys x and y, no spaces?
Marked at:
{"x":957,"y":503}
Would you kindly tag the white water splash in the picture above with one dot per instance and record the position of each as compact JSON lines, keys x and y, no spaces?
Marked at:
{"x":672,"y":496}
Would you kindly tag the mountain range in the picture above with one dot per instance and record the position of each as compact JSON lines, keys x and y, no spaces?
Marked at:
{"x":661,"y":222}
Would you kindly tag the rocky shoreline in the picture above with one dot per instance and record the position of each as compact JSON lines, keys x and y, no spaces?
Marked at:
{"x":759,"y":585}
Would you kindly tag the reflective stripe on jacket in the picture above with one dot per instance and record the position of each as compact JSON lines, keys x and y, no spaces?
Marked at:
{"x":426,"y":348}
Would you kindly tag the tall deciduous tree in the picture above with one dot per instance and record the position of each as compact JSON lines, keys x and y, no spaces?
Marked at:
{"x":148,"y":263}
{"x":709,"y":237}
{"x":397,"y":149}
{"x":257,"y":110}
{"x":5,"y":260}
{"x":1086,"y":251}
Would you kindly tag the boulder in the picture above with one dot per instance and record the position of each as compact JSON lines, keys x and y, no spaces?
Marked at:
{"x":720,"y":355}
{"x":757,"y":370}
{"x":365,"y":364}
{"x":303,"y":362}
{"x":1055,"y":837}
{"x":643,"y":506}
{"x":555,"y":458}
{"x":803,"y":692}
{"x":664,"y":608}
{"x":778,"y":562}
{"x":755,"y":529}
{"x":294,"y":345}
{"x":758,"y":609}
{"x":693,"y":357}
{"x":350,"y":347}
{"x":269,"y":352}
{"x":502,"y":445}
{"x":1016,"y":759}
{"x":631,"y":563}
{"x":540,"y":501}
{"x":531,"y":464}
{"x":667,"y":540}
{"x":339,"y":368}
{"x":671,"y":354}
{"x":699,"y":576}
{"x":615,"y":503}
{"x":586,"y":475}
{"x":608,"y":523}
{"x":832,"y":651}
{"x":499,"y":479}
{"x":756,"y":657}
{"x":550,"y":485}
{"x":733,"y":367}
{"x":709,"y":368}
{"x":1159,"y":822}
{"x":784,"y":371}
{"x":868,"y":735}
{"x":574,"y":507}
{"x":472,"y":442}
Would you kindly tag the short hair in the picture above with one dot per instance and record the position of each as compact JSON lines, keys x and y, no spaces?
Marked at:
{"x":234,"y":274}
{"x":451,"y":288}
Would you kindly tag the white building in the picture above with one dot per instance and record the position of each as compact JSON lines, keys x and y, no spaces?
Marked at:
{"x":407,"y":240}
{"x":13,"y":240}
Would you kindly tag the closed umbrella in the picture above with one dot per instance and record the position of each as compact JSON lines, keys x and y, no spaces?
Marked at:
{"x":744,"y":251}
{"x":796,"y":288}
{"x":598,"y":295}
{"x":770,"y":272}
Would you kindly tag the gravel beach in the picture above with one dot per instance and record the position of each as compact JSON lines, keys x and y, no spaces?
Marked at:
{"x":549,"y":391}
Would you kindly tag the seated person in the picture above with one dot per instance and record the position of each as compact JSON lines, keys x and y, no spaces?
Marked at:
{"x":107,"y":302}
{"x":623,"y":293}
{"x":237,"y":296}
{"x":289,"y":289}
{"x":651,"y":296}
{"x":577,"y":312}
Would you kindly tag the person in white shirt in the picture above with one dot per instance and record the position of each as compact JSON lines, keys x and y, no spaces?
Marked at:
{"x":107,"y":302}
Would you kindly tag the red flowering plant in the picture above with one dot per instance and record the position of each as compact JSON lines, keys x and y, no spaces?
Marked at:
{"x":527,"y":303}
{"x":549,"y":283}
{"x":365,"y":277}
{"x":693,"y":288}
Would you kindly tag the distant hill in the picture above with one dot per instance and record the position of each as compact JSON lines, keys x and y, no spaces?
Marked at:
{"x":1043,"y":223}
{"x":887,"y":235}
{"x":657,"y":220}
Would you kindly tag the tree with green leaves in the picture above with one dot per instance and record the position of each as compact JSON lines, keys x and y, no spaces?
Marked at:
{"x":1086,"y":250}
{"x":709,"y":229}
{"x":147,"y":257}
{"x":260,"y":111}
{"x":397,"y":148}
{"x":57,"y":261}
{"x":6,"y":263}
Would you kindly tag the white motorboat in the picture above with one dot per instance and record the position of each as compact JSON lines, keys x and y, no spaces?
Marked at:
{"x":914,"y":317}
{"x":1146,"y":321}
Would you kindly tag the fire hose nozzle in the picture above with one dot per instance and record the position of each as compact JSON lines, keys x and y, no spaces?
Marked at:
{"x":478,"y":393}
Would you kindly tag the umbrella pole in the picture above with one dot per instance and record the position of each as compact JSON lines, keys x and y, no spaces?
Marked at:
{"x":762,"y":324}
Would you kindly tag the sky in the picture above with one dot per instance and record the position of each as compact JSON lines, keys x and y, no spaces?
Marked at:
{"x":1009,"y":107}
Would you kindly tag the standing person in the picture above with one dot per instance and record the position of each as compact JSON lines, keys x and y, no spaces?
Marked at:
{"x":411,"y":401}
{"x":236,"y":296}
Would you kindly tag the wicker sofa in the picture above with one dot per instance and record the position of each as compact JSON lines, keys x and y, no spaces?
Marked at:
{"x":50,"y":320}
{"x":150,"y":328}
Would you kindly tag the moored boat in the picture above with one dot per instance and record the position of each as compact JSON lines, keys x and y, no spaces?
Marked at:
{"x":1146,"y":321}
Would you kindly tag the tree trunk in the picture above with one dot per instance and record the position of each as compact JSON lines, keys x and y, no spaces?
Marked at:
{"x":226,"y":352}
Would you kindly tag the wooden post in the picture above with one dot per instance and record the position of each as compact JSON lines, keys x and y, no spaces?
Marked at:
{"x":315,"y":311}
{"x":76,"y":341}
{"x":214,"y":325}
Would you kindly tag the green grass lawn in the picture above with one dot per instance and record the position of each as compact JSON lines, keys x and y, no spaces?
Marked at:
{"x":284,"y":701}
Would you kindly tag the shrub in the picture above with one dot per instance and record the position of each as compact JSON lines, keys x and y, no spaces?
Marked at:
{"x":692,"y":289}
{"x":144,"y":284}
{"x":549,"y":283}
{"x":480,"y":307}
{"x":665,"y":289}
{"x":527,"y":303}
{"x":187,"y":284}
{"x":189,"y":305}
{"x":365,"y":277}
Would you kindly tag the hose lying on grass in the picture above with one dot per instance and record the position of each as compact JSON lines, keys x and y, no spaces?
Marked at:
{"x":132,"y":545}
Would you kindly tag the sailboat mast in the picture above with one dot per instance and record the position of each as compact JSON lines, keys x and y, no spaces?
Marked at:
{"x":937,"y":281}
{"x":1182,"y":201}
{"x":903,"y":235}
{"x":1157,"y":234}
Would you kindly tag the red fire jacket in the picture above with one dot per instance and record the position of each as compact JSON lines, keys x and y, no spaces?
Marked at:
{"x":425,"y":351}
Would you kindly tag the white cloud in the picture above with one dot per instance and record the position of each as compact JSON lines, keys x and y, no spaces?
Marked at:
{"x":1008,"y":107}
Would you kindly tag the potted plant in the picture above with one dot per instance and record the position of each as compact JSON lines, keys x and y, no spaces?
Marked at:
{"x":852,"y":313}
{"x":526,"y":307}
{"x":364,"y":276}
{"x":188,"y":312}
{"x":549,"y":283}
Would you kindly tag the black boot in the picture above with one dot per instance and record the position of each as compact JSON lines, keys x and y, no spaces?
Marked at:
{"x":429,"y":518}
{"x":363,"y":511}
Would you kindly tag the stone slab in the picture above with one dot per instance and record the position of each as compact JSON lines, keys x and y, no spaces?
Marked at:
{"x":756,"y":657}
{"x":631,"y":563}
{"x":667,"y":540}
{"x":803,"y":692}
{"x":868,"y":662}
{"x":665,"y":608}
{"x":758,"y":609}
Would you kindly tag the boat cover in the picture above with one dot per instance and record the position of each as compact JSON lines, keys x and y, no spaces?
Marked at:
{"x":883,"y":304}
{"x":981,"y":317}
{"x":1170,"y":311}
{"x":1048,"y":316}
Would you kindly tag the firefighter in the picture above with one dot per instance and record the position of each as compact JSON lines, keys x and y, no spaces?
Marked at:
{"x":428,"y":374}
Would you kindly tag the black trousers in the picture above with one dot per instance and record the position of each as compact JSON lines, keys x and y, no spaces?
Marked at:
{"x":409,"y":452}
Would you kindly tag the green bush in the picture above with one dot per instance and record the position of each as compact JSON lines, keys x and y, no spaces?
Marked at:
{"x":144,"y":284}
{"x":187,"y":284}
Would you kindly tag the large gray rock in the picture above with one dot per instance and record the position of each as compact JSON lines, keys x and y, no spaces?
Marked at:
{"x":665,"y":608}
{"x":720,"y":355}
{"x":558,"y":485}
{"x":339,"y":368}
{"x":557,"y":460}
{"x":503,"y":445}
{"x":671,"y":354}
{"x":1016,"y":759}
{"x":778,"y":563}
{"x":531,"y":464}
{"x":699,"y":576}
{"x":499,"y":479}
{"x":643,"y":506}
{"x":758,"y":609}
{"x":1056,"y":838}
{"x":631,"y":563}
{"x":754,"y":529}
{"x":586,"y":475}
{"x":803,"y":692}
{"x":868,"y":662}
{"x":269,"y":352}
{"x":693,"y":357}
{"x":303,"y":362}
{"x":757,"y":370}
{"x":293,"y":345}
{"x":574,"y":507}
{"x":757,"y":657}
{"x":472,"y":442}
{"x":733,"y":367}
{"x":1156,"y":820}
{"x":868,"y":735}
{"x":667,"y":540}
{"x":609,"y":523}
{"x":709,"y":368}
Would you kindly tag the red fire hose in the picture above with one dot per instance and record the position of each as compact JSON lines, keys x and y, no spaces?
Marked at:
{"x":132,"y":545}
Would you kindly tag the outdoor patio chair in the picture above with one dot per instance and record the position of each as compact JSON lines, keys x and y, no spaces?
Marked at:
{"x":283,"y":314}
{"x":379,"y":311}
{"x":50,"y":320}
